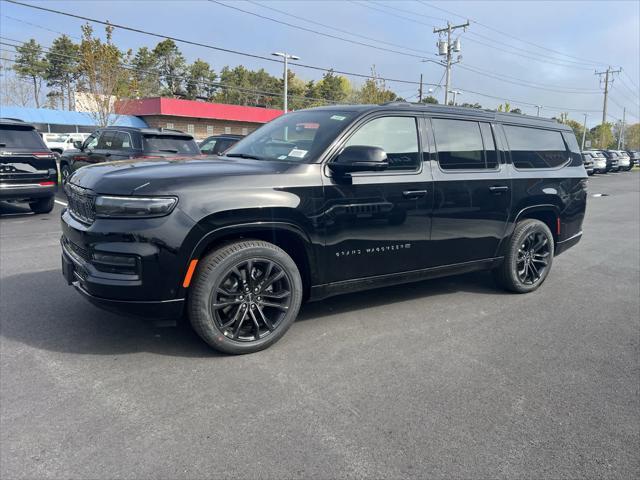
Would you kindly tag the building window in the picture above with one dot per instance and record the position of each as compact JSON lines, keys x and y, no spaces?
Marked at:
{"x":227,"y":129}
{"x":245,"y":131}
{"x":209,"y":129}
{"x":191,"y":129}
{"x":169,"y":125}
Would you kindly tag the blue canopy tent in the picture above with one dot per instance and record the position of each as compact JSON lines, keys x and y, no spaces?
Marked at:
{"x":62,"y":121}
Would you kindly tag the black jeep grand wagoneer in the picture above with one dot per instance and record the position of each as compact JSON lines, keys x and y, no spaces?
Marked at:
{"x":320,"y":202}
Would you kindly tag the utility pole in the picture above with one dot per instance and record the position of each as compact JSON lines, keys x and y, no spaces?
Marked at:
{"x":538,"y":112}
{"x":584,"y":130}
{"x":621,"y":134}
{"x":446,"y":49}
{"x":420,"y":90}
{"x":607,"y":73}
{"x":286,"y":58}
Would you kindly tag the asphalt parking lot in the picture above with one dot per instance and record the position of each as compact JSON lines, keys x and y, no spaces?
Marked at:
{"x":449,"y":378}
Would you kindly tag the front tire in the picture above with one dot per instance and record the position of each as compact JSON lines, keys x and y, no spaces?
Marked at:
{"x":528,"y":258}
{"x":65,"y":172}
{"x":44,"y":205}
{"x":244,"y":296}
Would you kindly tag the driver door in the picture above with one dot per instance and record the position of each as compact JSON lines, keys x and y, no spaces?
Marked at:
{"x":378,"y":223}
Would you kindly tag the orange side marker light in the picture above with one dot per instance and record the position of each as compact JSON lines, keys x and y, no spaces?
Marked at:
{"x":558,"y":226}
{"x":190,"y":270}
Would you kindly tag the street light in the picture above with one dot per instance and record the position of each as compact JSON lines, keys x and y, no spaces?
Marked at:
{"x":538,"y":107}
{"x":455,"y":94}
{"x":286,"y":57}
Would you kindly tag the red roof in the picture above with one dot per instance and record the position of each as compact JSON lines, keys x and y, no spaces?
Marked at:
{"x":192,"y":109}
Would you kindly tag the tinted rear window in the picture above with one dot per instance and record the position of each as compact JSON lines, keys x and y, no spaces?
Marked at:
{"x":536,"y":148}
{"x":170,"y":144}
{"x":20,"y":138}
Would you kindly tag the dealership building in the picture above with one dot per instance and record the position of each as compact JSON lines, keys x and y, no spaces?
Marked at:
{"x":200,"y":119}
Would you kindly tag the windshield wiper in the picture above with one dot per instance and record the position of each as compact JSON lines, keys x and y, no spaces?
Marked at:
{"x":244,"y":155}
{"x":168,"y":150}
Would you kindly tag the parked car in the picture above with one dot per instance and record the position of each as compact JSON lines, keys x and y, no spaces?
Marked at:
{"x":587,"y":160}
{"x":613,"y":164}
{"x":60,"y":142}
{"x":28,"y":172}
{"x":218,"y":144}
{"x":624,"y":161}
{"x":598,"y":159}
{"x":320,"y":202}
{"x":123,"y":143}
{"x":635,"y":158}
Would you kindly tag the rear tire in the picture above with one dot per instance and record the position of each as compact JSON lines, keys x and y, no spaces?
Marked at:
{"x":65,"y":171}
{"x":528,"y":258}
{"x":44,"y":205}
{"x":244,"y":296}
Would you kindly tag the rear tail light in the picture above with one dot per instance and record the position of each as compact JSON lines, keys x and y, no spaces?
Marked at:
{"x":47,"y":184}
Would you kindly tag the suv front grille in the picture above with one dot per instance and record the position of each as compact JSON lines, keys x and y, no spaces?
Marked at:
{"x":81,"y":203}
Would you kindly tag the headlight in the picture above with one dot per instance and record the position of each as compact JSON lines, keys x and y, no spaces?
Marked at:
{"x":134,"y":207}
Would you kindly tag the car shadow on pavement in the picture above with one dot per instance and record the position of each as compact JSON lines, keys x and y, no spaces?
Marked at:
{"x":40,"y":310}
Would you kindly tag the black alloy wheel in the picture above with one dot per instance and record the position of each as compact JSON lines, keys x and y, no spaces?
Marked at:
{"x":533,"y":258}
{"x":251,"y":300}
{"x":244,"y":296}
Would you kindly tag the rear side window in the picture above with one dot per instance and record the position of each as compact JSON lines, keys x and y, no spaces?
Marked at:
{"x":170,"y":144}
{"x":20,"y":138}
{"x":535,"y":148}
{"x":459,"y":144}
{"x":397,"y":136}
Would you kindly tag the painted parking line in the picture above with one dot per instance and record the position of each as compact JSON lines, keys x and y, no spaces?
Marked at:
{"x":60,"y":202}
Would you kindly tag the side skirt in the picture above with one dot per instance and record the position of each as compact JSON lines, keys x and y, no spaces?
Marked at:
{"x":320,"y":292}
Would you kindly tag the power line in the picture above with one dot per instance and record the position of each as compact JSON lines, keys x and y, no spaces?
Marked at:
{"x":589,"y":61}
{"x":334,"y":28}
{"x":204,"y":45}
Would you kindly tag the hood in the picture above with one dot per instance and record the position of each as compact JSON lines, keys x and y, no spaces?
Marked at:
{"x":167,"y":176}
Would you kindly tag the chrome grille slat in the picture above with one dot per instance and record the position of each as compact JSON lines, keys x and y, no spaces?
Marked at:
{"x":81,"y":203}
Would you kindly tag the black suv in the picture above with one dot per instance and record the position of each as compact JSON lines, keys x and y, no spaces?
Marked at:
{"x":218,"y":144}
{"x":122,"y":143}
{"x":28,"y":170}
{"x":321,"y":202}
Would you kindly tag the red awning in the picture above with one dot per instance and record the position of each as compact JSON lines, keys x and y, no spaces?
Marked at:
{"x":189,"y":108}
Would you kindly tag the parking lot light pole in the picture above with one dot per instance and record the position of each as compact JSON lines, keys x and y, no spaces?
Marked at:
{"x":455,"y":95}
{"x":538,"y":107}
{"x":286,"y":57}
{"x":584,"y":130}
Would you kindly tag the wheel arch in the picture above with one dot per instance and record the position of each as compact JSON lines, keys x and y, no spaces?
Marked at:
{"x":287,"y":235}
{"x":547,"y":213}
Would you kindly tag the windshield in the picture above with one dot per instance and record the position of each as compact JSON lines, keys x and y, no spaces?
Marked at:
{"x":170,"y":144}
{"x":295,"y":137}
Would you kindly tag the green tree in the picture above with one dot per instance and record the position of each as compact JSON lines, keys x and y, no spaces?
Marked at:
{"x":62,"y":68}
{"x":30,"y":65}
{"x":200,"y":80}
{"x":103,"y":78}
{"x":430,"y":99}
{"x":241,"y":86}
{"x":333,"y":88}
{"x":472,"y":105}
{"x":632,"y":137}
{"x":145,"y":77}
{"x":171,"y":66}
{"x":375,"y":91}
{"x":504,"y":108}
{"x":602,"y":136}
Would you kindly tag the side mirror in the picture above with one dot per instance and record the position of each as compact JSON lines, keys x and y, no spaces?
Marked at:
{"x":77,"y":144}
{"x":359,"y":158}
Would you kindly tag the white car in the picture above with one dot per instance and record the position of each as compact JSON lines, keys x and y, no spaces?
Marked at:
{"x":59,"y":142}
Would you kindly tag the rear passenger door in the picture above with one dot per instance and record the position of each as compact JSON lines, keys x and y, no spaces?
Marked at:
{"x":472,"y":195}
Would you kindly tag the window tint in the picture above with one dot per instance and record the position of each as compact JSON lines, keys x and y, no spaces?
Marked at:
{"x":535,"y":148}
{"x":397,"y":136}
{"x":459,"y":144}
{"x":16,"y":137}
{"x":120,"y":141}
{"x":489,"y":146}
{"x":170,"y":144}
{"x":208,"y":147}
{"x":106,"y":141}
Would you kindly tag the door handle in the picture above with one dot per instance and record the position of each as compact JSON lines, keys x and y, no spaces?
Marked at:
{"x":414,"y":193}
{"x":499,"y":189}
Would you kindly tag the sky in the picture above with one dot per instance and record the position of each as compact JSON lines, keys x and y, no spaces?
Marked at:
{"x":522,"y":52}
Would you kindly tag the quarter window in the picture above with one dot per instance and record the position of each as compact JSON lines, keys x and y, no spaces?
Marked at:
{"x":397,"y":136}
{"x":459,"y":144}
{"x":535,"y":148}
